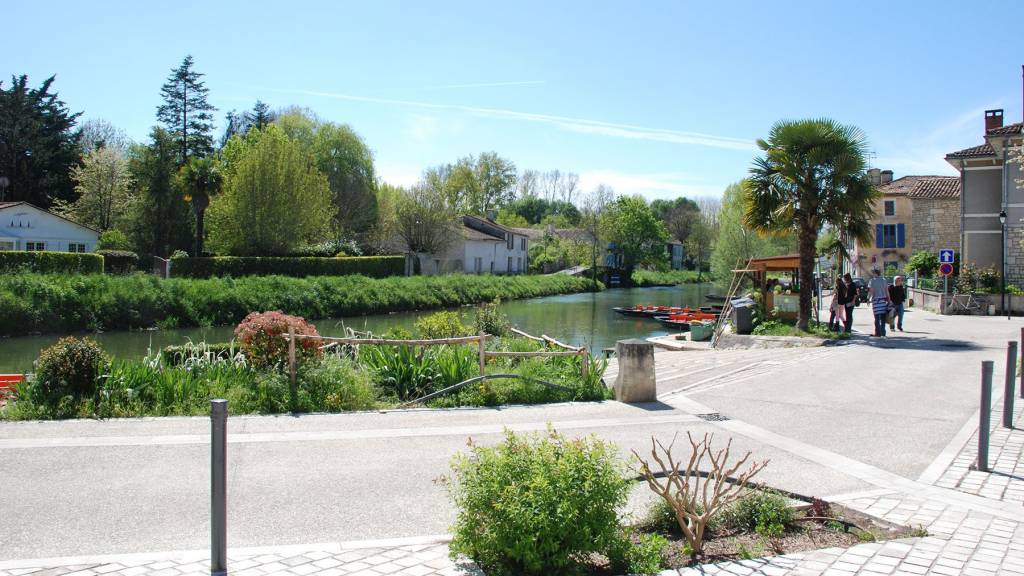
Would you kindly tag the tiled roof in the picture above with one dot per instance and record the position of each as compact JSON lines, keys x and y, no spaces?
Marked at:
{"x":923,"y":187}
{"x":473,"y":234}
{"x":973,"y":152}
{"x":1009,"y":129}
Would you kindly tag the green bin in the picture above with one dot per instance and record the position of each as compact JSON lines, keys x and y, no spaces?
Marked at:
{"x":701,"y":331}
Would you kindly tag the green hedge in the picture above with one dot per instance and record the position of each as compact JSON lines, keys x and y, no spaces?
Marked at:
{"x":12,"y":261}
{"x":119,"y":261}
{"x":65,"y":303}
{"x":300,"y":267}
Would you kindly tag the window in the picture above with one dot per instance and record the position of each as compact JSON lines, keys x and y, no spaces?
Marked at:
{"x":76,"y":247}
{"x":890,"y":207}
{"x":492,"y":266}
{"x":510,"y":241}
{"x":522,"y":244}
{"x":6,"y":245}
{"x":519,"y":264}
{"x":35,"y":246}
{"x":509,"y":267}
{"x":889,"y":236}
{"x":478,"y":264}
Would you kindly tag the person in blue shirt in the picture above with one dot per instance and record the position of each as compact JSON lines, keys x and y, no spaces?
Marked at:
{"x":878,"y":292}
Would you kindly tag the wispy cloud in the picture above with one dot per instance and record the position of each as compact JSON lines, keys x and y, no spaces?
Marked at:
{"x":651,"y":185}
{"x":572,"y":124}
{"x":422,"y":127}
{"x":486,"y":85}
{"x":925,"y":154}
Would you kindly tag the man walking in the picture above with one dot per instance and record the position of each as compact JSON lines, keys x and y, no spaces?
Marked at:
{"x":878,"y":292}
{"x":898,"y":295}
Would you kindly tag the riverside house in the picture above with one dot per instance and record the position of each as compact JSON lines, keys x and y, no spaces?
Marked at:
{"x":482,"y":247}
{"x":27,"y":227}
{"x":989,"y":189}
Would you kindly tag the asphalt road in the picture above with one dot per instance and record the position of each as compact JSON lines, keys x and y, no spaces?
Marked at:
{"x":88,"y":487}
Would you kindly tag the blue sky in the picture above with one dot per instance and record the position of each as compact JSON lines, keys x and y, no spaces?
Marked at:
{"x":658,"y":98}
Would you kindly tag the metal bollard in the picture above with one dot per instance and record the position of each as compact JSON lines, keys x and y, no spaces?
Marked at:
{"x":1011,"y":377}
{"x":218,"y":487}
{"x":984,"y":416}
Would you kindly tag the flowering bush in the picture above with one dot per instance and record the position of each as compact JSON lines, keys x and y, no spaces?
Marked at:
{"x":69,"y":368}
{"x":260,"y":335}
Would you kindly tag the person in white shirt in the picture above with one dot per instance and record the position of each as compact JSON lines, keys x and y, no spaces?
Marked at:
{"x":878,"y":292}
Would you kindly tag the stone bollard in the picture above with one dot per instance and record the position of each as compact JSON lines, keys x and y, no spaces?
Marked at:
{"x":635,"y":381}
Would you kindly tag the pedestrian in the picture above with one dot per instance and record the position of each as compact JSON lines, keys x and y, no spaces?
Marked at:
{"x":898,"y":295}
{"x":851,"y":300}
{"x":878,"y":293}
{"x":837,"y":308}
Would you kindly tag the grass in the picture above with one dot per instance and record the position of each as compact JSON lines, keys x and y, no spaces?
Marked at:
{"x":645,"y":278}
{"x":788,"y":328}
{"x":41,"y":303}
{"x":382,"y":377}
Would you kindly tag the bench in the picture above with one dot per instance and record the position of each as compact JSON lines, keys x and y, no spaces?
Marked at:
{"x":9,"y":382}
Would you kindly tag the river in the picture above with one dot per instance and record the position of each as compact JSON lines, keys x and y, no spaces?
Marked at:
{"x":581,"y":319}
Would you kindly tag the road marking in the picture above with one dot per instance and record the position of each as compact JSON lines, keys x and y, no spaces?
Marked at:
{"x":334,"y":435}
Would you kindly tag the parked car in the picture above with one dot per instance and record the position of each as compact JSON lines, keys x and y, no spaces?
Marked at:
{"x":860,"y":287}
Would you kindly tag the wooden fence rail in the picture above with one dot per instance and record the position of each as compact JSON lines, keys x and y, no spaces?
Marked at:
{"x":480,"y":340}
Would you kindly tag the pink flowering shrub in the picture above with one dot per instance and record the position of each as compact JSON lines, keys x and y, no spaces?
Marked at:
{"x":261,"y":337}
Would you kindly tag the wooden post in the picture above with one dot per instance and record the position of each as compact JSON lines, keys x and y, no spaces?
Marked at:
{"x":292,"y":368}
{"x":584,"y":362}
{"x":483,"y":357}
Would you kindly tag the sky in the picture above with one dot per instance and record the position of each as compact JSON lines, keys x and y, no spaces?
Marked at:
{"x":662,"y":99}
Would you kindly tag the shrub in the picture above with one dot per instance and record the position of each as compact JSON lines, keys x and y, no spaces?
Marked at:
{"x":260,"y":335}
{"x":334,"y":385}
{"x":924,"y":263}
{"x":68,"y":368}
{"x":14,"y":261}
{"x":638,"y":553}
{"x":758,"y":511}
{"x":119,"y":261}
{"x":329,"y":248}
{"x":113,"y":240}
{"x":179,"y":253}
{"x":370,"y":266}
{"x":442,"y":325}
{"x":537,"y":504}
{"x":490,"y":319}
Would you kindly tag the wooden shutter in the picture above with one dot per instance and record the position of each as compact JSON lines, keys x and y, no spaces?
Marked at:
{"x":878,"y":235}
{"x":900,"y":235}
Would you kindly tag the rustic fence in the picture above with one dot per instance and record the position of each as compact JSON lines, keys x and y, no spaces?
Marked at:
{"x":480,"y":340}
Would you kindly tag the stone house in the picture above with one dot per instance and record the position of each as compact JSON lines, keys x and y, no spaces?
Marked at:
{"x":989,"y":191}
{"x":24,"y":226}
{"x":914,"y":213}
{"x":481,"y":247}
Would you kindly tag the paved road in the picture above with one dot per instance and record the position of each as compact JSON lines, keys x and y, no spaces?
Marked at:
{"x":89,"y":487}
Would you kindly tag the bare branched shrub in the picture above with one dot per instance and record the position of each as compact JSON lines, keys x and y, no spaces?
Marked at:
{"x":697,"y":496}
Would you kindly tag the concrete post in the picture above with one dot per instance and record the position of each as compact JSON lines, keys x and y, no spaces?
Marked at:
{"x":218,"y":487}
{"x":635,"y":381}
{"x":292,"y":369}
{"x":1011,"y":378}
{"x":984,"y":415}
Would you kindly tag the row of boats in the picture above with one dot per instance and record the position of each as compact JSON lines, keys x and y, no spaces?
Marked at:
{"x":677,"y":317}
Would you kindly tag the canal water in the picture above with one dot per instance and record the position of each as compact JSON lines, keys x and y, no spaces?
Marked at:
{"x":579,"y":319}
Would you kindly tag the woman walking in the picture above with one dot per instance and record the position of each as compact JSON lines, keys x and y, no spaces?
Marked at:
{"x":837,"y":309}
{"x":878,"y":292}
{"x":850,"y":301}
{"x":898,"y":295}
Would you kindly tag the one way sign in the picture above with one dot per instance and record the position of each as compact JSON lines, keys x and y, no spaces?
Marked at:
{"x":945,"y":256}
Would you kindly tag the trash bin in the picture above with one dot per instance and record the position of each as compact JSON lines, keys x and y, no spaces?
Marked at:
{"x":743,"y":316}
{"x":701,"y":331}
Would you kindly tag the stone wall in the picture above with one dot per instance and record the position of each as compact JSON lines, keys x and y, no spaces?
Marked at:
{"x":1015,"y":255}
{"x":936,"y":224}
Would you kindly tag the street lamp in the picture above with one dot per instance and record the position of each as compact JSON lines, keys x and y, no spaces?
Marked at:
{"x":1002,"y":257}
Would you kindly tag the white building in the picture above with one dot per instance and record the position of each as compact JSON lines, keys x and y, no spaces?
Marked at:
{"x":483,"y":247}
{"x":27,"y":227}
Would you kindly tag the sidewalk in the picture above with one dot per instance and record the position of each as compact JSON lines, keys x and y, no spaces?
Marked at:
{"x":974,"y":523}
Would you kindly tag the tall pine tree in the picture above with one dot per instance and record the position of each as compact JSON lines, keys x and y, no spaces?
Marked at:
{"x":186,"y":113}
{"x":38,"y":143}
{"x":260,"y":116}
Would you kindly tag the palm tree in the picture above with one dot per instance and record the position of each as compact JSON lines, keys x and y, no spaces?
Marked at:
{"x":812,"y":174}
{"x":200,"y":178}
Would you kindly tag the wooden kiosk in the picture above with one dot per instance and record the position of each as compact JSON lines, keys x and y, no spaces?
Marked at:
{"x":788,"y":305}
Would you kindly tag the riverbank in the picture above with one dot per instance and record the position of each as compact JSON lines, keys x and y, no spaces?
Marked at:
{"x":43,"y":303}
{"x":649,"y":278}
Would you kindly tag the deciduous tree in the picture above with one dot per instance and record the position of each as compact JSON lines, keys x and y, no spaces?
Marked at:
{"x":640,"y":237}
{"x":104,"y":186}
{"x":737,"y":243}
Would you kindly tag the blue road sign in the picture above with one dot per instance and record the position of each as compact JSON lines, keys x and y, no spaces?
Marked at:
{"x":945,"y":256}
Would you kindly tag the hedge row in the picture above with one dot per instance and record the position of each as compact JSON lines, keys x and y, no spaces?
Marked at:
{"x":119,"y":261}
{"x":299,"y":267}
{"x":64,"y":303}
{"x":14,"y":261}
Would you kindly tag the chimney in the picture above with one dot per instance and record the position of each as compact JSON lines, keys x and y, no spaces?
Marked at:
{"x":492,"y":215}
{"x":993,"y":119}
{"x":886,"y":176}
{"x":874,"y":176}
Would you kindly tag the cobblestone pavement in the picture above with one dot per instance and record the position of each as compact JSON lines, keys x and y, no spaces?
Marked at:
{"x":972,"y":523}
